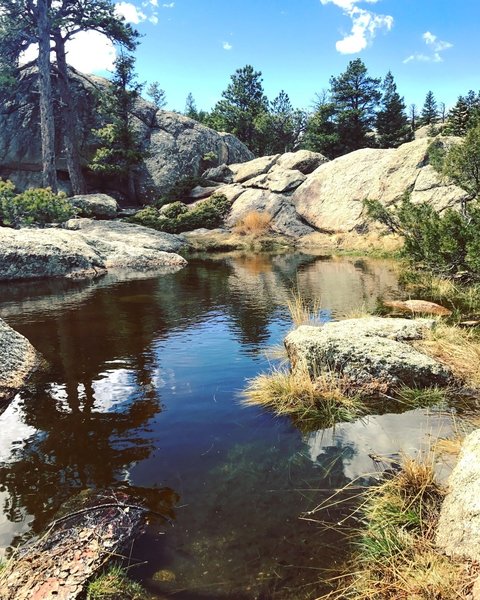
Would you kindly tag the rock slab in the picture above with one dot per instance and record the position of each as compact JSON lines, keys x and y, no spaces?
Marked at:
{"x":85,"y":248}
{"x":18,"y":360}
{"x":372,"y":352}
{"x":458,"y":532}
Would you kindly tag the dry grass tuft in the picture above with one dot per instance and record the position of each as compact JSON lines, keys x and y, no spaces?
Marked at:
{"x":455,"y":347}
{"x":326,"y":398}
{"x":302,"y":311}
{"x":254,"y":223}
{"x":396,"y":557}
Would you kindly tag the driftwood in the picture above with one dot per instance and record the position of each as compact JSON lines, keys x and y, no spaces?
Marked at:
{"x":75,"y":546}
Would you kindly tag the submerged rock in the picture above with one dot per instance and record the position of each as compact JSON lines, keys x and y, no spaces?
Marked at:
{"x":19,"y":360}
{"x":86,"y":248}
{"x":372,"y":352}
{"x":418,"y":307}
{"x":458,"y":532}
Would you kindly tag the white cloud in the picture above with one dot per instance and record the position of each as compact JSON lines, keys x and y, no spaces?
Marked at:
{"x":365,"y":24}
{"x":88,"y":51}
{"x":170,"y":5}
{"x":154,"y":2}
{"x":437,"y":46}
{"x":130,"y":12}
{"x":153,"y":19}
{"x":227,"y":46}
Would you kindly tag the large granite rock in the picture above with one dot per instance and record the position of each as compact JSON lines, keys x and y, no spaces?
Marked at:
{"x":86,"y":248}
{"x":175,"y":145}
{"x":331,"y":198}
{"x":99,"y":206}
{"x":458,"y":532}
{"x":19,"y":360}
{"x":373,"y":353}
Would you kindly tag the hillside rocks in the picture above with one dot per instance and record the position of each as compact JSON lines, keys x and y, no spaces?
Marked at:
{"x":304,"y":192}
{"x":85,"y":248}
{"x":331,"y":198}
{"x":175,"y":146}
{"x":372,"y":353}
{"x":266,"y":184}
{"x":19,"y":360}
{"x":458,"y":532}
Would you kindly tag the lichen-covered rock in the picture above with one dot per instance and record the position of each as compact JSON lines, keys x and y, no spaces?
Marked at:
{"x":371,"y":352}
{"x":99,"y":206}
{"x":277,"y":180}
{"x":418,"y":307}
{"x":19,"y":360}
{"x":331,"y":199}
{"x":253,"y":168}
{"x":86,"y":248}
{"x":458,"y":532}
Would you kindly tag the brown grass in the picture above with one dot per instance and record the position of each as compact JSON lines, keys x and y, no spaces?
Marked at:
{"x":302,"y":311}
{"x":254,"y":223}
{"x":457,"y":348}
{"x":396,"y":557}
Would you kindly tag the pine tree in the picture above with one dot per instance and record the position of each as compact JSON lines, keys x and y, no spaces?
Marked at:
{"x":355,"y":96}
{"x":191,"y":107}
{"x":392,"y":122}
{"x":464,"y":115}
{"x":120,"y":151}
{"x":157,"y":94}
{"x":282,"y":126}
{"x":321,"y":133}
{"x":243,"y":102}
{"x":429,"y":110}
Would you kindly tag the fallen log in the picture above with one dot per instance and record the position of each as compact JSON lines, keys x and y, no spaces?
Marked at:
{"x":75,"y":547}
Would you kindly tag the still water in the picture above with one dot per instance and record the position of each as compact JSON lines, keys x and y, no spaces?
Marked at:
{"x":143,"y":388}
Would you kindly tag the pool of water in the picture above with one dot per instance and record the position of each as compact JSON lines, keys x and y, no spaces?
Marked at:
{"x":143,"y":388}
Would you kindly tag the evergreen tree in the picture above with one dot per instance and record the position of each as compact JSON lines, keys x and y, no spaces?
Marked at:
{"x":282,"y":126}
{"x":413,"y":117}
{"x":321,"y":133}
{"x":355,"y":96}
{"x":392,"y":122}
{"x":157,"y":94}
{"x":120,"y":151}
{"x":191,"y":107}
{"x":242,"y":104}
{"x":25,"y":22}
{"x":429,"y":110}
{"x":464,"y":115}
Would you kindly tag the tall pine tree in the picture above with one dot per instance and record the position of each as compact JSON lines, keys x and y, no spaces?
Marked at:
{"x":429,"y":110}
{"x":392,"y":122}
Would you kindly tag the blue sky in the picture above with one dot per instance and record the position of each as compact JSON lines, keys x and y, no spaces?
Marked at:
{"x":195,"y":45}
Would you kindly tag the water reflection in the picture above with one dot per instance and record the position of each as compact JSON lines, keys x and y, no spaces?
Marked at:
{"x":142,"y":388}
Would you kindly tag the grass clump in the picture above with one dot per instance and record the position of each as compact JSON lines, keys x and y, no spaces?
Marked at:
{"x":177,"y":217}
{"x":302,"y":311}
{"x":395,"y":555}
{"x":254,"y":223}
{"x":422,"y":397}
{"x":115,"y":585}
{"x":457,"y":348}
{"x":325,"y":399}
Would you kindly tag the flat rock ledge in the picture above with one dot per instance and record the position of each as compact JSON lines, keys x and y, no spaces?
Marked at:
{"x":19,"y":360}
{"x":458,"y":531}
{"x":373,"y":353}
{"x":85,"y":248}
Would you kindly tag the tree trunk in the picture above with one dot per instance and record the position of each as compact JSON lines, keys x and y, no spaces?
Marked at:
{"x":47,"y":123}
{"x":68,"y":119}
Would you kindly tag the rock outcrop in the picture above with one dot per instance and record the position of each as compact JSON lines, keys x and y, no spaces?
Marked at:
{"x":372,"y":353}
{"x":19,"y":360}
{"x":86,"y":248}
{"x":331,"y":198}
{"x":176,"y":146}
{"x":458,"y":532}
{"x":266,"y":184}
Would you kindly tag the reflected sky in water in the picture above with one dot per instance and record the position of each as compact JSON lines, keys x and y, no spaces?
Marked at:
{"x":143,"y":388}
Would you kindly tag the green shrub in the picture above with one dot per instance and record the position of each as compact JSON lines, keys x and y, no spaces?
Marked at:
{"x":446,"y":243}
{"x":36,"y":206}
{"x":178,"y":218}
{"x":436,"y":155}
{"x":181,"y":190}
